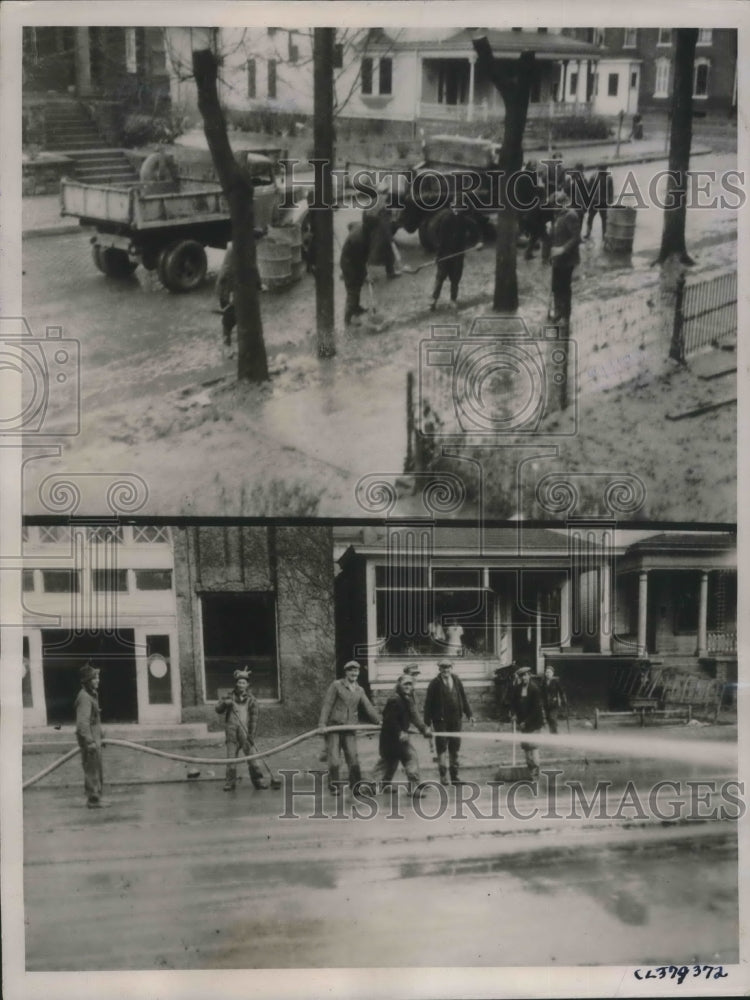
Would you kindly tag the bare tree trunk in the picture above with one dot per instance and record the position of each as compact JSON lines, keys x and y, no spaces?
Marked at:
{"x":323,"y":45}
{"x":514,"y":84}
{"x":673,"y":232}
{"x":252,"y":364}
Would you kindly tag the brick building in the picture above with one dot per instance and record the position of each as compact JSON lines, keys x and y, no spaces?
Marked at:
{"x":169,"y":613}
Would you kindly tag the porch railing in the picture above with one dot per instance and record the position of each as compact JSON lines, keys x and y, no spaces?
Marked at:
{"x":483,"y":111}
{"x":721,"y":642}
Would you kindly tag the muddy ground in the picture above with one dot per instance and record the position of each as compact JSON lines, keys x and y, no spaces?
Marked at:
{"x":160,"y":398}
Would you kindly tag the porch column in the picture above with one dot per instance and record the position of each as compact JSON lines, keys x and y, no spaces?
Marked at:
{"x":538,"y":633}
{"x":562,"y":96}
{"x":565,"y":591}
{"x":82,"y":62}
{"x":470,"y":109}
{"x":703,"y":616}
{"x":605,"y":614}
{"x":642,"y":611}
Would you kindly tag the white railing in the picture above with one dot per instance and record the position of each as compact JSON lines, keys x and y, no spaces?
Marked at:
{"x":721,"y":642}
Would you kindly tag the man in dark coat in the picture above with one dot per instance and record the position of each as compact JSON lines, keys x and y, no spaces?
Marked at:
{"x":353,"y":262}
{"x":444,"y":707}
{"x":395,"y":746}
{"x":527,"y":710}
{"x":531,"y":199}
{"x":89,"y":735}
{"x":604,"y":196}
{"x":341,"y":706}
{"x":553,"y":697}
{"x":239,"y":709}
{"x":566,"y":235}
{"x":452,"y":237}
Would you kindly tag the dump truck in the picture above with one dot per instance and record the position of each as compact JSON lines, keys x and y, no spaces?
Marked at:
{"x":166,"y":225}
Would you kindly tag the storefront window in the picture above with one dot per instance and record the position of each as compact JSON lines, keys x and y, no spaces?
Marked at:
{"x":453,"y":617}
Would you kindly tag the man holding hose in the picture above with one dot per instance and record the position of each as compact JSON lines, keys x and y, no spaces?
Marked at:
{"x":341,"y":708}
{"x":240,"y":711}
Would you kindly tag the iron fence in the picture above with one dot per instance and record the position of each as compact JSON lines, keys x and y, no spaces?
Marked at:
{"x":705,"y":315}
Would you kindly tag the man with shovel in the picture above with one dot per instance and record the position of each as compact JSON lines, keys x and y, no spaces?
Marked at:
{"x":453,"y":231}
{"x":526,"y":708}
{"x":240,"y":711}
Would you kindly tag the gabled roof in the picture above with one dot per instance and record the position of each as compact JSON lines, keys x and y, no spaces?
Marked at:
{"x":505,"y":44}
{"x":675,"y":541}
{"x":468,"y":542}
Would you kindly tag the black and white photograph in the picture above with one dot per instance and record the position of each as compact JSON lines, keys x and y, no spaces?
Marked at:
{"x":379,"y":313}
{"x":371,"y":405}
{"x":392,"y":844}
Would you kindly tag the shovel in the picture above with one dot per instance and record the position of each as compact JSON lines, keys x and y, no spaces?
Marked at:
{"x":512,"y":772}
{"x":438,"y":260}
{"x":275,"y":782}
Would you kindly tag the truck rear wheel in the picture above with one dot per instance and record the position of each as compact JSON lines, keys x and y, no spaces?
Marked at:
{"x":182,"y":267}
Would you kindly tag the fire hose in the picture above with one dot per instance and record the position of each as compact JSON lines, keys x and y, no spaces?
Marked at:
{"x":699,"y":752}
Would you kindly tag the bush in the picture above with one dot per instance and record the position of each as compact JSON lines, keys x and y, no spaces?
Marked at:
{"x":141,"y":130}
{"x":266,"y":120}
{"x":581,"y":127}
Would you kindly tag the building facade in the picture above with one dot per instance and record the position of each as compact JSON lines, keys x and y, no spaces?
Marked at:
{"x":650,"y":53}
{"x":589,"y":600}
{"x":405,"y":75}
{"x":168,"y":614}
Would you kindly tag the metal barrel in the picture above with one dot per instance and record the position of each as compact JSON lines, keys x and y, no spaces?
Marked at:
{"x":274,"y":263}
{"x":620,"y":229}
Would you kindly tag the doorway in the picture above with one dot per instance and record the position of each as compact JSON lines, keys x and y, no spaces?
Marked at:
{"x":63,"y":655}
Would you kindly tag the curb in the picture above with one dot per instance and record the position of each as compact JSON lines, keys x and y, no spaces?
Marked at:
{"x":65,"y":230}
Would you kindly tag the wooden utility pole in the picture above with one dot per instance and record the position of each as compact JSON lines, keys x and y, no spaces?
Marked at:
{"x":673,"y":231}
{"x":252,"y":364}
{"x":323,"y":136}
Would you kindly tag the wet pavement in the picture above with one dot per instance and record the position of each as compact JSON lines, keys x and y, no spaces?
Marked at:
{"x":185,"y":876}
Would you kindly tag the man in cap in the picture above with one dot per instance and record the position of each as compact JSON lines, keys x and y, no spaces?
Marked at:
{"x":566,"y":235}
{"x":526,"y":708}
{"x":395,"y":746}
{"x":89,"y":734}
{"x":553,"y":697}
{"x":444,"y":707}
{"x":239,"y":709}
{"x":341,"y":708}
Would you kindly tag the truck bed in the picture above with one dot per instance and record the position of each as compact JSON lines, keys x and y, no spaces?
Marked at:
{"x":143,"y":206}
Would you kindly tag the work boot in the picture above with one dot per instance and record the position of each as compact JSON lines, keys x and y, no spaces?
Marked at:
{"x":443,"y":776}
{"x":455,"y":780}
{"x":260,"y":784}
{"x":229,"y":786}
{"x":454,"y":305}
